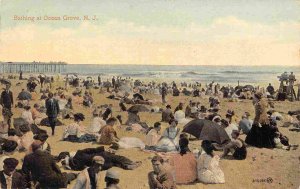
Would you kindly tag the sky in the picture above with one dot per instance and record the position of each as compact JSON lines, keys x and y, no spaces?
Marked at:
{"x":159,"y":32}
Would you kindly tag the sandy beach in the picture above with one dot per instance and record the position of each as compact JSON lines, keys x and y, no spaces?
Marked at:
{"x":280,"y":167}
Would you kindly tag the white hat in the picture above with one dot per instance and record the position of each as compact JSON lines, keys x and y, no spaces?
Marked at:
{"x":112,"y":174}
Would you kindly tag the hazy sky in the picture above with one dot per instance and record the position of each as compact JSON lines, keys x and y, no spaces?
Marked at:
{"x":198,"y":32}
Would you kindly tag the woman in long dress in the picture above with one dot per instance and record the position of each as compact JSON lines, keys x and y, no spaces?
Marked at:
{"x":170,"y":138}
{"x":209,"y":171}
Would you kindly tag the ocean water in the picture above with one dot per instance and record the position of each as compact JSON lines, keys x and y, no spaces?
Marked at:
{"x":203,"y":74}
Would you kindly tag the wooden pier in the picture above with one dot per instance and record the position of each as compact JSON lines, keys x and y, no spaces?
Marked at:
{"x":32,"y":67}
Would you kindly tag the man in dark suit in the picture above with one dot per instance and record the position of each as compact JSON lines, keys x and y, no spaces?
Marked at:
{"x":9,"y":178}
{"x":7,"y":102}
{"x":40,"y":167}
{"x":52,"y":111}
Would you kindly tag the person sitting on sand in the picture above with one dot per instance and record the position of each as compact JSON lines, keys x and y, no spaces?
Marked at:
{"x":7,"y":149}
{"x":169,"y":141}
{"x":67,"y":111}
{"x":245,"y":124}
{"x":89,"y":176}
{"x":108,"y":133}
{"x":12,"y":135}
{"x":236,"y":146}
{"x":166,"y":114}
{"x":153,"y":136}
{"x":27,"y":137}
{"x":179,"y":116}
{"x":41,"y":139}
{"x":107,"y":112}
{"x":133,"y":118}
{"x":74,"y":130}
{"x":179,"y":107}
{"x":36,"y":114}
{"x":231,"y":126}
{"x":184,"y":163}
{"x":97,"y":122}
{"x":209,"y":171}
{"x":27,"y":115}
{"x":84,"y":158}
{"x":87,"y":99}
{"x":160,"y":177}
{"x":188,"y":109}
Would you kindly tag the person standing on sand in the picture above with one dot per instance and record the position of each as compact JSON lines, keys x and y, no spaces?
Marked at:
{"x":99,"y":80}
{"x":164,"y":93}
{"x":113,"y":81}
{"x":52,"y":111}
{"x":7,"y":102}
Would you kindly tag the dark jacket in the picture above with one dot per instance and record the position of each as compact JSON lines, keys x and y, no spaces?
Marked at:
{"x":17,"y":181}
{"x":7,"y":99}
{"x":40,"y":166}
{"x":52,"y":108}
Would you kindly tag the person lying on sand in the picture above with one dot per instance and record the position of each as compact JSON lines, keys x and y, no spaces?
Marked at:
{"x":83,"y":158}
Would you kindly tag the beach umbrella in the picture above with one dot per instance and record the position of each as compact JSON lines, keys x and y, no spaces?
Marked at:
{"x":24,"y":95}
{"x":138,"y":108}
{"x":5,"y":81}
{"x":206,"y":130}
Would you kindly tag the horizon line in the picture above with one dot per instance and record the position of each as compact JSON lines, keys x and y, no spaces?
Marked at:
{"x":231,"y":65}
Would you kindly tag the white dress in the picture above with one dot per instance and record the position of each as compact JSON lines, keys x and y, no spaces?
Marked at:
{"x":27,"y":115}
{"x":180,"y":117}
{"x":169,"y":141}
{"x":96,"y":125}
{"x":208,"y":169}
{"x":230,"y":128}
{"x":131,"y":142}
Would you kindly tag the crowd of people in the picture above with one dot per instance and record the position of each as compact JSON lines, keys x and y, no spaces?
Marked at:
{"x":174,"y":163}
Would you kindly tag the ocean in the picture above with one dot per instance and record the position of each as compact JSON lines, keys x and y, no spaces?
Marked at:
{"x":202,"y":74}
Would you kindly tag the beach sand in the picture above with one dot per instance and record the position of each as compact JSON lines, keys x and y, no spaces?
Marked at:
{"x":283,"y":167}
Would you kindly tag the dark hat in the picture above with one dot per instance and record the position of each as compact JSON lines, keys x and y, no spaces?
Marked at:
{"x":225,"y":122}
{"x":24,"y":128}
{"x":203,"y":109}
{"x":79,"y":116}
{"x":9,"y":146}
{"x":11,"y":163}
{"x":41,"y":136}
{"x":168,"y":106}
{"x":229,"y":113}
{"x":157,"y":124}
{"x":172,"y":119}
